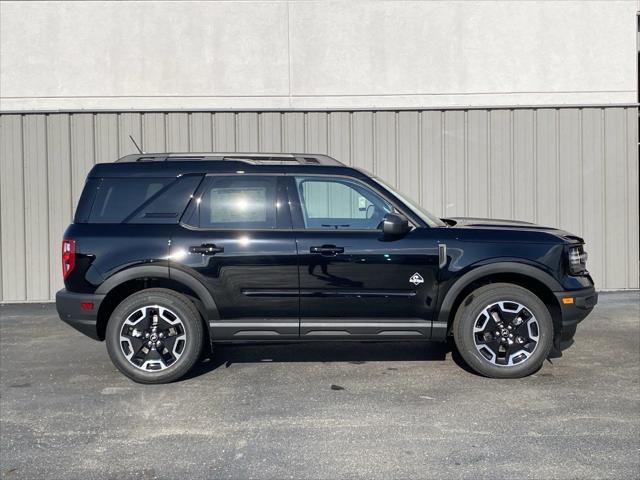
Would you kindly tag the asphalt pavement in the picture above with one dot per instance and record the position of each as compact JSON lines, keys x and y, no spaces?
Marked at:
{"x":323,"y":410}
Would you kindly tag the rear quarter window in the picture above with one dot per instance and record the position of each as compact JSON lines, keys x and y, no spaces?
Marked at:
{"x":138,"y":200}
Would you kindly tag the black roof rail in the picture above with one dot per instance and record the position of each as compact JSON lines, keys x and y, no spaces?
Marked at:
{"x":250,"y":157}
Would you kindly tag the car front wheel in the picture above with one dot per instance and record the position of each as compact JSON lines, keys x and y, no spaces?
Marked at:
{"x":154,"y":336}
{"x":503,"y":331}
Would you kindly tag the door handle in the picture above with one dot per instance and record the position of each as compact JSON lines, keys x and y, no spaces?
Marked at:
{"x":327,"y":250}
{"x":206,"y":249}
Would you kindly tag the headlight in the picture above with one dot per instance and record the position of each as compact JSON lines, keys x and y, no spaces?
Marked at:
{"x":577,"y":260}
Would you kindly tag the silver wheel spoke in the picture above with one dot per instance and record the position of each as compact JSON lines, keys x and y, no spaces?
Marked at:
{"x":152,"y":338}
{"x":506,"y":333}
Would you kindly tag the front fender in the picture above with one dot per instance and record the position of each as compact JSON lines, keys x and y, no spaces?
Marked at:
{"x":476,"y":273}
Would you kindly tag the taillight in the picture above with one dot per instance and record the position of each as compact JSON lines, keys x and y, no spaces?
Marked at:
{"x":68,"y":257}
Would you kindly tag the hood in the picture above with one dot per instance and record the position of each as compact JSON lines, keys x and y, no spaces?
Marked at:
{"x":494,"y":223}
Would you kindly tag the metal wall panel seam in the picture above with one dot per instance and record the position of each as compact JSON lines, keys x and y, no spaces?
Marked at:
{"x":214,"y":131}
{"x":512,"y":160}
{"x":47,"y":196}
{"x":634,"y":168}
{"x":1,"y":270}
{"x":489,"y":163}
{"x":140,"y":123}
{"x":443,"y":153}
{"x":351,"y":159}
{"x":465,"y":137}
{"x":259,"y":131}
{"x":420,"y":160}
{"x":535,"y":165}
{"x":605,"y":271}
{"x":24,"y":204}
{"x":581,"y":186}
{"x":626,"y":193}
{"x":396,"y":150}
{"x":556,"y":127}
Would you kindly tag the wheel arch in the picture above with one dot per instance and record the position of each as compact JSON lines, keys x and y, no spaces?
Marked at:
{"x":127,"y":282}
{"x":533,"y":279}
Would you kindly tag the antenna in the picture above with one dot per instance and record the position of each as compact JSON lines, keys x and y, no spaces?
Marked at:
{"x":134,"y":142}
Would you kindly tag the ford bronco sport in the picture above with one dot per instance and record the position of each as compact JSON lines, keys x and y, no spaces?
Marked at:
{"x":172,"y":253}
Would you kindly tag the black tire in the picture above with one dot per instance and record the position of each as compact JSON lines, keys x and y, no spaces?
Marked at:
{"x":485,"y":360}
{"x":190,"y":325}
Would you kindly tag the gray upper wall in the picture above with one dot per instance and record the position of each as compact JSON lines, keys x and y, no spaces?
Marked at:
{"x":315,"y":55}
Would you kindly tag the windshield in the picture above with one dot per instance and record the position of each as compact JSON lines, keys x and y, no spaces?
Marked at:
{"x":427,"y":217}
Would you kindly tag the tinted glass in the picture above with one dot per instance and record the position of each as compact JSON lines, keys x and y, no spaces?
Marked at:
{"x":338,"y":203}
{"x":236,"y":202}
{"x":117,"y":198}
{"x":86,"y":200}
{"x":167,"y":205}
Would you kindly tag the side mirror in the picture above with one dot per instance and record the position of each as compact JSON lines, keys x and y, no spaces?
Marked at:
{"x":395,"y":224}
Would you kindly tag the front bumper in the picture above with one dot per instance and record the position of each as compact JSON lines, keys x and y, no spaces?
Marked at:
{"x":583,"y":302}
{"x":570,"y":315}
{"x":69,"y":307}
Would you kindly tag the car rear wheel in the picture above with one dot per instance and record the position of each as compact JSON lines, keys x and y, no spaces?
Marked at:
{"x":503,"y":331}
{"x":154,"y":336}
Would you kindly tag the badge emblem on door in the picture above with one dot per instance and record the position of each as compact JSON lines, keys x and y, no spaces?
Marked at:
{"x":416,"y":279}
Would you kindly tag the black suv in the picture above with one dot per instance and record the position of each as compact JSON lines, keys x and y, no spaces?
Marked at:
{"x":168,"y":253}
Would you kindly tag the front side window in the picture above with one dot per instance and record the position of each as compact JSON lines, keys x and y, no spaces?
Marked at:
{"x":340,"y":204}
{"x":239,"y":202}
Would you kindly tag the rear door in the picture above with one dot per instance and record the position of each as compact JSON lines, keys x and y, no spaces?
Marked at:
{"x":354,"y":280}
{"x":236,"y":238}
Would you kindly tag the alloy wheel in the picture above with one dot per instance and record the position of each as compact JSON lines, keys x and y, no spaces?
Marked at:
{"x":506,"y":333}
{"x":152,"y":338}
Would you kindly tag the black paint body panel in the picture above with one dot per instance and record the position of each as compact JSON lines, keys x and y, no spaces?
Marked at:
{"x":267,"y":284}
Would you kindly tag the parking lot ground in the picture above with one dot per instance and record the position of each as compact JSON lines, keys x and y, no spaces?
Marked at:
{"x":324,"y":410}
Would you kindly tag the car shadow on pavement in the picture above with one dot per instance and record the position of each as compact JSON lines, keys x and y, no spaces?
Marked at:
{"x":225,"y":355}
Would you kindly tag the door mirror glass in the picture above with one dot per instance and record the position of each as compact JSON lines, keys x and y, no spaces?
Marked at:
{"x":395,"y":224}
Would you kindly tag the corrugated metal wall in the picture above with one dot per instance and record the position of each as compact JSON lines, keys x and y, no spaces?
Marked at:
{"x":576,"y":168}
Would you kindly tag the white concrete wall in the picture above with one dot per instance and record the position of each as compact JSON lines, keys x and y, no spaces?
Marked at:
{"x":327,"y":55}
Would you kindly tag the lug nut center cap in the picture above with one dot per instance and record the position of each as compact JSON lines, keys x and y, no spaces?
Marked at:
{"x":154,"y":337}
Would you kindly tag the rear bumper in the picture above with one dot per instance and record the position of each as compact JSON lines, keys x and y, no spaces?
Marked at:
{"x":69,"y":307}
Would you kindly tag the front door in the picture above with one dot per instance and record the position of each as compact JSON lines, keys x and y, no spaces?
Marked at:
{"x":236,"y":238}
{"x":354,"y":280}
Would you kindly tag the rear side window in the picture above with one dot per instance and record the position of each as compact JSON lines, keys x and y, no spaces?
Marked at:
{"x":167,"y":205}
{"x":238,"y":202}
{"x":141,"y":200}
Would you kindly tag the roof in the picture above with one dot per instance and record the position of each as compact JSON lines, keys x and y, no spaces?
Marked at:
{"x":174,"y":164}
{"x":248,"y":157}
